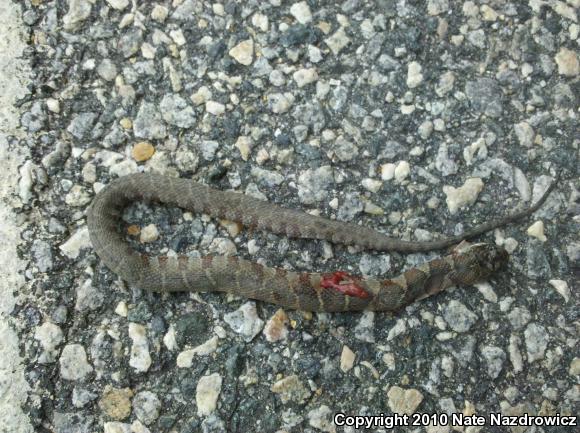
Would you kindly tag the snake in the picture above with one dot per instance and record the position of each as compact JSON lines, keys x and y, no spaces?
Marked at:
{"x":308,"y":291}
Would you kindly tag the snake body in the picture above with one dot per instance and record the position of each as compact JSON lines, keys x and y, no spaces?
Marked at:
{"x":336,"y":291}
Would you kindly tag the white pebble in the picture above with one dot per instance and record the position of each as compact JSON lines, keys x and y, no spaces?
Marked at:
{"x":140,"y":359}
{"x":402,"y":171}
{"x":277,"y":78}
{"x":49,"y":336}
{"x":280,"y":103}
{"x":215,"y":108}
{"x":122,"y":309}
{"x":347,"y":358}
{"x":53,"y":105}
{"x":78,"y":241}
{"x":178,"y":37}
{"x":73,"y":362}
{"x":260,"y":21}
{"x":372,"y":185}
{"x":202,"y":95}
{"x":536,"y":230}
{"x":253,"y":247}
{"x":118,"y":4}
{"x":388,"y":171}
{"x":244,"y":145}
{"x":185,"y":358}
{"x":414,"y":76}
{"x":159,"y":13}
{"x":525,"y":134}
{"x":305,"y":76}
{"x":218,"y":9}
{"x":262,"y":156}
{"x":149,"y":234}
{"x":425,"y":129}
{"x":245,"y":321}
{"x":465,"y":195}
{"x":169,"y":338}
{"x":243,"y":53}
{"x":301,"y":11}
{"x":562,"y":288}
{"x":207,"y":393}
{"x":314,"y":54}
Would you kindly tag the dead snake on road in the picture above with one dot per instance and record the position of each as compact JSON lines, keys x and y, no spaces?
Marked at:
{"x":336,"y":291}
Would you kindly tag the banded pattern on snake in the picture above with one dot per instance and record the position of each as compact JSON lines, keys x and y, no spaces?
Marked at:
{"x":336,"y":291}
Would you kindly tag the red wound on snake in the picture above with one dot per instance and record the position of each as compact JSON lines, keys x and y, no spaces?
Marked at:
{"x":344,"y":283}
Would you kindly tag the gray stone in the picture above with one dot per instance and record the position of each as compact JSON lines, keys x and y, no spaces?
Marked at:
{"x":140,"y":358}
{"x":321,"y":419}
{"x":485,"y":96}
{"x":463,"y":349}
{"x":78,"y":11}
{"x":477,"y":38}
{"x":213,"y":424}
{"x":69,"y":422}
{"x":300,"y":132}
{"x":345,"y":150}
{"x":176,"y":111}
{"x":313,"y":184}
{"x":262,"y":67}
{"x":207,"y":392}
{"x":208,"y":149}
{"x":436,"y":7}
{"x":115,"y":137}
{"x":387,"y":63}
{"x":88,"y":297}
{"x":148,"y":123}
{"x":301,"y":11}
{"x":35,"y":119}
{"x":77,"y":196}
{"x":458,"y":316}
{"x":81,"y":125}
{"x":374,"y":265}
{"x":519,"y":317}
{"x":130,"y":42}
{"x":536,"y":339}
{"x":350,"y":207}
{"x":42,"y":255}
{"x":146,"y":407}
{"x":525,"y":134}
{"x":118,"y":4}
{"x":494,"y":357}
{"x":73,"y":362}
{"x":365,"y":328}
{"x":188,"y":10}
{"x":443,"y":162}
{"x":537,"y":263}
{"x":245,"y":321}
{"x":337,"y":41}
{"x":338,"y":98}
{"x":280,"y":103}
{"x":311,"y":114}
{"x":277,"y":78}
{"x":49,"y":336}
{"x":107,"y":70}
{"x":266,"y":177}
{"x":81,"y":396}
{"x":78,"y":241}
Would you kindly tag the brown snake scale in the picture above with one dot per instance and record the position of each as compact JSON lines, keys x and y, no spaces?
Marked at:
{"x":336,"y":291}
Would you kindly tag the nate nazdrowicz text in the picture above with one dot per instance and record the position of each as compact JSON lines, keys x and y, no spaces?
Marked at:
{"x":455,"y":420}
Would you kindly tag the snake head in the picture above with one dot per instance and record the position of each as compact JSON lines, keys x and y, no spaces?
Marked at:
{"x":476,"y":262}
